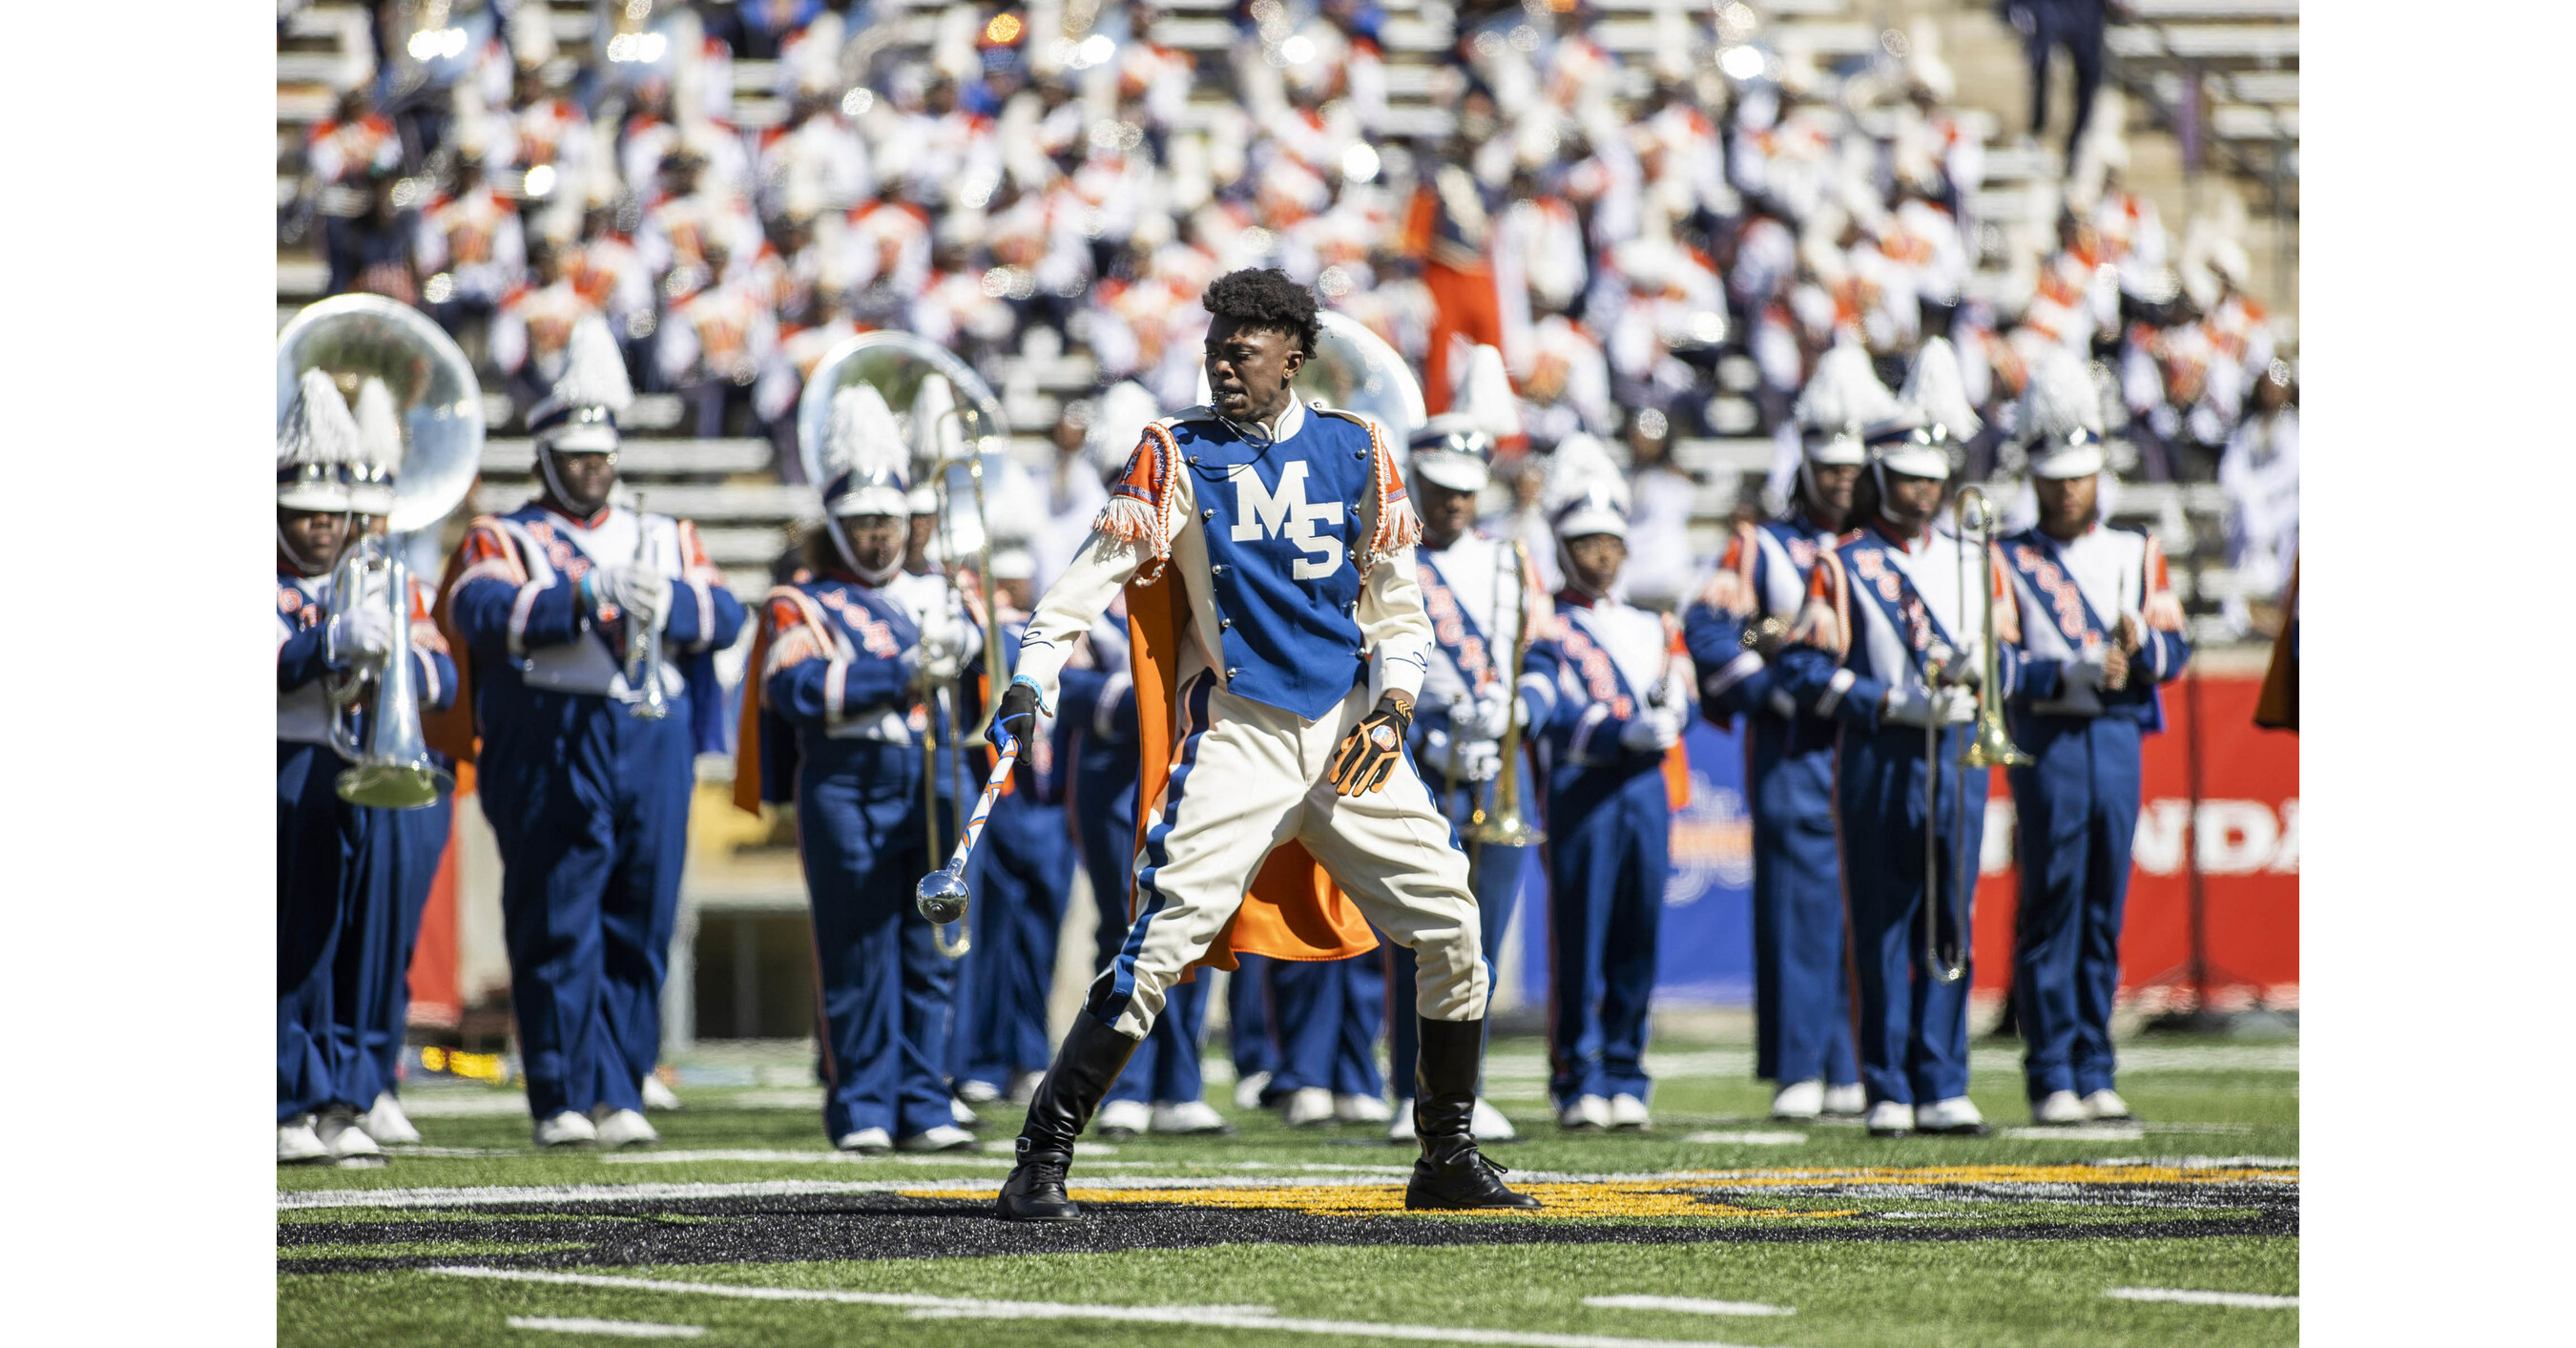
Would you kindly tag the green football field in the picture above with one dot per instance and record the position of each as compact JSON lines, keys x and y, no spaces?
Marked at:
{"x":1718,"y":1226}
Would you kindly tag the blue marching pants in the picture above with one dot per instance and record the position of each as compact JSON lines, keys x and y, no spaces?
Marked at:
{"x":1609,"y":854}
{"x":1330,"y":1013}
{"x":418,"y":839}
{"x":373,"y":953}
{"x":2078,"y":816}
{"x":1496,"y":879}
{"x":882,"y":984}
{"x":1165,"y":1067}
{"x":1247,"y":1009}
{"x":1801,"y":1008}
{"x":322,"y":903}
{"x":1911,"y":1029}
{"x":1023,"y":874}
{"x":591,"y":810}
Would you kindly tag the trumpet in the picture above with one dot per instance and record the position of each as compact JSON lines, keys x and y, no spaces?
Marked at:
{"x":1988,"y":746}
{"x":644,"y":640}
{"x":390,"y":767}
{"x":1505,"y":827}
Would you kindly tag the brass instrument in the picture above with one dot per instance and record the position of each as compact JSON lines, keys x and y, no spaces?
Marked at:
{"x":1506,"y":827}
{"x":644,"y":640}
{"x":1988,"y":745}
{"x":1991,"y":747}
{"x":438,"y":404}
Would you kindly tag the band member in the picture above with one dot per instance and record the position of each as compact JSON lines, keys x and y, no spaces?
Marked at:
{"x":1328,"y":1015}
{"x":1279,"y":642}
{"x":1801,"y":1008}
{"x":1886,"y":646}
{"x":2102,"y":629}
{"x":1610,"y":686}
{"x":1160,"y":1089}
{"x":834,"y":717}
{"x":334,"y":887}
{"x":1477,"y":596}
{"x":586,"y":786}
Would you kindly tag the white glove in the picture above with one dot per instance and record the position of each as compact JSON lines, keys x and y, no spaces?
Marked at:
{"x":1658,"y":729}
{"x":1908,"y":704}
{"x":364,"y":633}
{"x":1959,"y":704}
{"x":946,"y":641}
{"x":1484,"y":716}
{"x":643,"y":596}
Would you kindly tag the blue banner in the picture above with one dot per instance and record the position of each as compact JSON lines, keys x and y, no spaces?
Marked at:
{"x":1704,"y":955}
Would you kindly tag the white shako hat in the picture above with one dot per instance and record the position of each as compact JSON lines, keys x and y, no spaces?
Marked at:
{"x":316,"y":447}
{"x":2061,"y":417}
{"x":1586,"y":493}
{"x":863,"y":457}
{"x":1841,"y":401}
{"x":380,"y":451}
{"x":579,"y":416}
{"x":1452,"y":451}
{"x":1938,"y":388}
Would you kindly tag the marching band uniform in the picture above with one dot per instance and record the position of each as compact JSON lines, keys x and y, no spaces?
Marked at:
{"x":1609,"y":688}
{"x":1297,"y":610}
{"x":588,"y":801}
{"x":335,"y":888}
{"x":835,"y":727}
{"x":2077,"y":805}
{"x":1476,"y":597}
{"x":1801,"y":1008}
{"x":1882,"y":614}
{"x":1095,"y":730}
{"x":1327,"y":1017}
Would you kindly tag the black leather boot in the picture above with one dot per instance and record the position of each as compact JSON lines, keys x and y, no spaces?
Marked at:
{"x":1085,"y":1064}
{"x":1452,"y":1173}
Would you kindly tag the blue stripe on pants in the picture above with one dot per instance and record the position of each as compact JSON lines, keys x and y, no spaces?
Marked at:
{"x":1910,"y":1029}
{"x":1122,"y":986}
{"x":2076,"y":818}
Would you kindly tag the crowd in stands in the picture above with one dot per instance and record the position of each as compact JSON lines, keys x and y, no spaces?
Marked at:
{"x":1040,"y":182}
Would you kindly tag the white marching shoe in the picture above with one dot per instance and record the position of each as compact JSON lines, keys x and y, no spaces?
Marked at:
{"x":387,"y":1124}
{"x":1628,"y":1113}
{"x":657,"y":1095}
{"x":1247,"y":1091}
{"x":2107,"y":1104}
{"x":1889,"y":1118}
{"x":1954,"y":1117}
{"x":1584,"y":1114}
{"x":344,"y":1139}
{"x":1122,"y":1119}
{"x":1361,"y":1109}
{"x":298,"y":1144}
{"x":1798,"y":1101}
{"x":866,"y":1142}
{"x":976,"y":1092}
{"x":2057,"y":1107}
{"x":1488,"y":1123}
{"x":1400,"y":1128}
{"x":1846,"y":1102}
{"x":1308,"y":1106}
{"x":1190,"y":1118}
{"x":622,"y":1127}
{"x":942,"y":1137}
{"x":963,"y":1117}
{"x":564,"y":1129}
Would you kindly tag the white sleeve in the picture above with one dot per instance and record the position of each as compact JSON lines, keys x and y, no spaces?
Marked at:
{"x":1070,"y":606}
{"x":1394,"y":629}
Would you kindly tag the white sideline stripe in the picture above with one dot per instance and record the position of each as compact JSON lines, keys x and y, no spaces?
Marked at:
{"x":1202,"y":1317}
{"x":1691,"y":1305}
{"x":2201,"y":1162}
{"x":1750,"y":1139}
{"x":2251,"y":1300}
{"x":623,"y":1329}
{"x":2078,"y":1132}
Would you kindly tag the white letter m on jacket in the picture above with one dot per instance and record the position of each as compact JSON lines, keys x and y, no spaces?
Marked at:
{"x":1263,"y":514}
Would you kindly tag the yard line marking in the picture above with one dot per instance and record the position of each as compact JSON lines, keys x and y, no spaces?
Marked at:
{"x":1691,"y":1305}
{"x":1750,"y":1139}
{"x":766,"y":1157}
{"x":2251,"y":1300}
{"x":2201,"y":1162}
{"x":2078,"y":1132}
{"x":623,"y":1329}
{"x":1200,"y":1317}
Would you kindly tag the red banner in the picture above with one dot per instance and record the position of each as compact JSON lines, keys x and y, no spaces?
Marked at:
{"x":2248,"y":844}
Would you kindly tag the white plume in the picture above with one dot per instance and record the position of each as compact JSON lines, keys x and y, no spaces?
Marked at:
{"x":862,"y":438}
{"x":380,"y":439}
{"x":319,"y":428}
{"x":1936,"y":388}
{"x":2062,"y":398}
{"x":1117,"y":424}
{"x":1582,"y":467}
{"x":594,"y":370}
{"x":1844,"y":393}
{"x":937,"y":437}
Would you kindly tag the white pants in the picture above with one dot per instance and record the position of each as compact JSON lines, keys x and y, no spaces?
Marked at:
{"x":1247,"y":778}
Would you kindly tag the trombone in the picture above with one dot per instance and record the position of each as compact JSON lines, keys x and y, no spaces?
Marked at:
{"x":644,"y":640}
{"x":1988,"y":747}
{"x":1506,"y":827}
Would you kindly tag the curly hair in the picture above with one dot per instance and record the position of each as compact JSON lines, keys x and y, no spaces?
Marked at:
{"x":1265,"y":298}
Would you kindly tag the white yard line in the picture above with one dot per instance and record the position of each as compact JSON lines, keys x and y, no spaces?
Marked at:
{"x":621,"y":1329}
{"x":2250,"y":1300}
{"x":1749,"y":1139}
{"x":2203,"y":1162}
{"x":1689,"y":1305}
{"x":1197,"y":1317}
{"x":2077,"y":1132}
